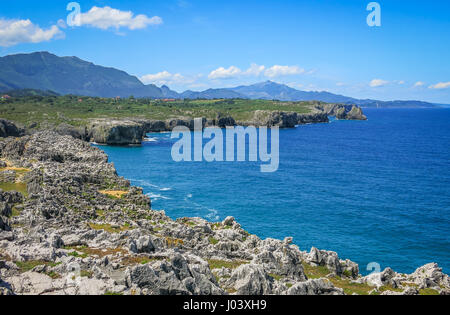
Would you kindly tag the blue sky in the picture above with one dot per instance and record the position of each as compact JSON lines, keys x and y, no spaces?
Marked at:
{"x":198,"y":44}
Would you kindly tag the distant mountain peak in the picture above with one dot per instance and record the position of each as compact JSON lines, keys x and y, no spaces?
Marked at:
{"x":71,"y":75}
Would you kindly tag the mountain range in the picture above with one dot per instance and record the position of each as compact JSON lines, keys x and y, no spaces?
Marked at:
{"x":71,"y":75}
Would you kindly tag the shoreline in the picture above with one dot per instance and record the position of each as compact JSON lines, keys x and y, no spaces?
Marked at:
{"x":77,"y":210}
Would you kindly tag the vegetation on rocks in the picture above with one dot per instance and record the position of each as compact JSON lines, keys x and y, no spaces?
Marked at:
{"x":66,"y":236}
{"x":126,"y":121}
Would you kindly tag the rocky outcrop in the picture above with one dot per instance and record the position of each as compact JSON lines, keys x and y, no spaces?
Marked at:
{"x":274,"y":119}
{"x":224,"y":121}
{"x":428,"y":277}
{"x":356,"y":113}
{"x":9,"y":129}
{"x":285,"y":119}
{"x":115,"y":132}
{"x":83,"y":230}
{"x":314,"y":287}
{"x":69,"y":130}
{"x":343,"y":112}
{"x":331,"y":261}
{"x":313,"y":118}
{"x":153,"y":125}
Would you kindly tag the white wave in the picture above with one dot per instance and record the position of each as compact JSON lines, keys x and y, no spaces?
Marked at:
{"x":150,"y":140}
{"x":157,"y":196}
{"x":146,"y":183}
{"x":166,"y":189}
{"x":213,"y":215}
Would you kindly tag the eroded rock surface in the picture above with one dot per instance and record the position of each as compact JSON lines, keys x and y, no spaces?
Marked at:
{"x":81,"y":229}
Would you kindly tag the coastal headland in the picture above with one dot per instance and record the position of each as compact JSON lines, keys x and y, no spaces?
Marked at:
{"x":127,"y":121}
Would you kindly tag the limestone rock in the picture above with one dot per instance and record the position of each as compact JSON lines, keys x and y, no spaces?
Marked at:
{"x":356,"y":113}
{"x":115,"y":132}
{"x":314,"y":287}
{"x":250,"y":280}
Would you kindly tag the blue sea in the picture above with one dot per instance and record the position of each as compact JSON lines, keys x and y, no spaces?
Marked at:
{"x":373,"y":191}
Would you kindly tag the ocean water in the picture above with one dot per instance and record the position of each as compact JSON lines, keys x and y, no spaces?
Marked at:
{"x":374,"y":191}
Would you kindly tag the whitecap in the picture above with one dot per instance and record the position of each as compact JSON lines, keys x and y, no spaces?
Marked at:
{"x":213,"y":215}
{"x":157,"y":196}
{"x":150,"y":140}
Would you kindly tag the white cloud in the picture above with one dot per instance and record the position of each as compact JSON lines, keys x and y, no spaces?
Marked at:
{"x":440,"y":86}
{"x":255,"y":70}
{"x":222,"y":73}
{"x":419,"y":84}
{"x":378,"y":83}
{"x":167,"y":78}
{"x":13,"y":32}
{"x":401,"y":82}
{"x":107,"y":17}
{"x":163,"y":77}
{"x":277,"y":71}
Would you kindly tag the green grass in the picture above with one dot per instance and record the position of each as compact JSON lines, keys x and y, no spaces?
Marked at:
{"x":68,"y":109}
{"x":15,"y":212}
{"x":25,"y":266}
{"x":113,"y":294}
{"x":86,"y":274}
{"x":315,"y":272}
{"x":428,"y":292}
{"x":53,"y":275}
{"x":77,"y":255}
{"x":389,"y":288}
{"x":20,"y":187}
{"x":275,"y":276}
{"x":139,"y":260}
{"x":347,"y":285}
{"x":350,"y":288}
{"x":109,"y":228}
{"x":213,"y":241}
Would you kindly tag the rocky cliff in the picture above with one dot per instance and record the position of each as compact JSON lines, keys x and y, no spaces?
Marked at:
{"x":132,"y":131}
{"x":115,"y":132}
{"x":76,"y":227}
{"x":343,"y":112}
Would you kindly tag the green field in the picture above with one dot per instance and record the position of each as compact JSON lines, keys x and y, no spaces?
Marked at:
{"x":76,"y":110}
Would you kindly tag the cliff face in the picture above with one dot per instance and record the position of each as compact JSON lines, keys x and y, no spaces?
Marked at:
{"x":114,"y":132}
{"x":78,"y":228}
{"x":132,"y":131}
{"x":343,"y":112}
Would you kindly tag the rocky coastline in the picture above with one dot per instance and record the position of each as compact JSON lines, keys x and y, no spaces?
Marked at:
{"x":132,"y":131}
{"x":70,"y":225}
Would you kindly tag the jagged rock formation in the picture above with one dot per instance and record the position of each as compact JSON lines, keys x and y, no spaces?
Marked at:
{"x":356,"y":113}
{"x":343,"y":112}
{"x":285,"y":119}
{"x":81,"y":229}
{"x":9,"y":129}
